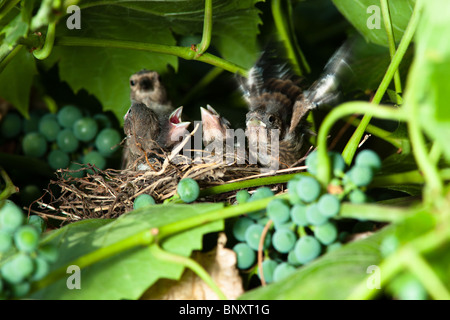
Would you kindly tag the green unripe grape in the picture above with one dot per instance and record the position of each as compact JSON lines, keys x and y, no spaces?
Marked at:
{"x":96,"y":159}
{"x":67,"y":141}
{"x":333,"y":246}
{"x":290,"y":225}
{"x":298,"y":215}
{"x":143,"y":200}
{"x":242,"y":196}
{"x":311,"y":163}
{"x":292,"y":259}
{"x":389,"y":245}
{"x":368,"y":158}
{"x":260,"y":193}
{"x":41,"y":269}
{"x":188,"y":190}
{"x":6,"y":241}
{"x":283,"y":240}
{"x":16,"y":270}
{"x":308,"y":189}
{"x":37,"y":222}
{"x":337,"y":163}
{"x":253,"y":236}
{"x":279,"y":211}
{"x":283,"y":271}
{"x":58,"y":159}
{"x":68,"y":115}
{"x":407,"y":287}
{"x":357,"y":196}
{"x":32,"y":124}
{"x":240,"y":227}
{"x":85,"y":129}
{"x":245,"y":255}
{"x":107,"y":141}
{"x":21,"y":289}
{"x":326,"y":233}
{"x":360,"y":175}
{"x":26,"y":238}
{"x":314,"y":216}
{"x":76,"y":166}
{"x":306,"y":249}
{"x":49,"y":253}
{"x":49,"y":128}
{"x":11,"y":125}
{"x":268,"y":268}
{"x":329,"y":205}
{"x":11,"y":216}
{"x":292,"y":191}
{"x":34,"y":144}
{"x":103,"y":120}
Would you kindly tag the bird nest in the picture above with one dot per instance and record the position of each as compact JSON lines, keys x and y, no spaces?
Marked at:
{"x":110,"y":193}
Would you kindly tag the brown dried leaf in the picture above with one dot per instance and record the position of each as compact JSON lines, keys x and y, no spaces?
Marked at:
{"x":220,"y":263}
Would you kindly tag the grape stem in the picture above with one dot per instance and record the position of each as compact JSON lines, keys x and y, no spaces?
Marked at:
{"x":10,"y":188}
{"x":261,"y":249}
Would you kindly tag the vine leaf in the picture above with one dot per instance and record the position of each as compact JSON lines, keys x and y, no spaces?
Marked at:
{"x":427,"y":86}
{"x":125,"y":275}
{"x":16,"y":80}
{"x":356,"y":12}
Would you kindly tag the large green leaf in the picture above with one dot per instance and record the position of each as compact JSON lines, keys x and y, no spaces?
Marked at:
{"x":356,"y":12}
{"x":333,"y":276}
{"x":104,"y":72}
{"x":16,"y":80}
{"x":428,"y":85}
{"x":126,"y":275}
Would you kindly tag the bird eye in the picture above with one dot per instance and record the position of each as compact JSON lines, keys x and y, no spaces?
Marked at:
{"x":271,"y":119}
{"x":132,"y":83}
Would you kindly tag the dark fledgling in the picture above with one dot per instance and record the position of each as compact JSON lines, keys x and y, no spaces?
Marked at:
{"x":149,"y":134}
{"x":276,"y":123}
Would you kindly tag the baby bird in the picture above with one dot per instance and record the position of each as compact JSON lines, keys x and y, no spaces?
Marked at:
{"x":146,"y":87}
{"x":147,"y":132}
{"x":276,"y":123}
{"x":271,"y":90}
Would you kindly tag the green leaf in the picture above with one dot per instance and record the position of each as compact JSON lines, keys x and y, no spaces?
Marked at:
{"x":104,"y":72}
{"x":125,"y":275}
{"x":16,"y":80}
{"x":333,"y":276}
{"x":428,"y":83}
{"x":356,"y":12}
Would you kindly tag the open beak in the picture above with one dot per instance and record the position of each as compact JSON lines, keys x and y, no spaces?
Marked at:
{"x":177,"y":127}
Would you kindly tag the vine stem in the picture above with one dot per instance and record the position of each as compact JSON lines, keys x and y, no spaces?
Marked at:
{"x":324,"y":170}
{"x":352,"y":145}
{"x":46,"y":49}
{"x":391,"y":41}
{"x":182,"y":52}
{"x":207,"y":29}
{"x":188,"y":263}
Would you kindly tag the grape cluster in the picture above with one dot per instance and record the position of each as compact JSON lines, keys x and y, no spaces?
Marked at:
{"x":302,"y":226}
{"x":65,"y":139}
{"x":22,"y":259}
